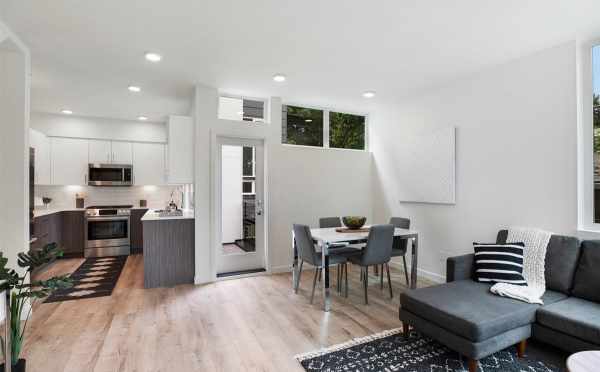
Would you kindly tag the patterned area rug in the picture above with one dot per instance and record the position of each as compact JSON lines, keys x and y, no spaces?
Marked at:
{"x":96,"y":277}
{"x":390,"y":351}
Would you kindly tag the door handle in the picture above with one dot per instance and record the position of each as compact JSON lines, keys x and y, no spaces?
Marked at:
{"x":259,"y":208}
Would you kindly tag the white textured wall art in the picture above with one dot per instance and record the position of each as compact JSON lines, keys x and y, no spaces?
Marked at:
{"x":426,"y":164}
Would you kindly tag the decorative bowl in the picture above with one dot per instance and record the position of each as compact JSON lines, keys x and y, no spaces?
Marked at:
{"x":354,"y":222}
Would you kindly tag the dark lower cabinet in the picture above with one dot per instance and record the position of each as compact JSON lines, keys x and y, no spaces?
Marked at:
{"x":137,"y":230}
{"x":169,"y":252}
{"x":41,"y":228}
{"x":63,"y":228}
{"x":73,"y":234}
{"x":55,"y":229}
{"x":47,"y":229}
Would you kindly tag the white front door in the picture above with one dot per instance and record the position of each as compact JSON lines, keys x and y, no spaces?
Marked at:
{"x":240,"y":214}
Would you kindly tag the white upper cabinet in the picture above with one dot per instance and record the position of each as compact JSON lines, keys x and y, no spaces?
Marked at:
{"x":121,"y":152}
{"x":180,"y":151}
{"x":149,"y":164}
{"x":100,"y":152}
{"x":110,"y":152}
{"x":69,"y":161}
{"x":41,"y":143}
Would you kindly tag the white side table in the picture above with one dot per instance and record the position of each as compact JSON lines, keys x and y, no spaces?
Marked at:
{"x":584,"y":361}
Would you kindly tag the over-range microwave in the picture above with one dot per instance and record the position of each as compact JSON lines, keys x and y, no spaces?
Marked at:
{"x":110,"y":175}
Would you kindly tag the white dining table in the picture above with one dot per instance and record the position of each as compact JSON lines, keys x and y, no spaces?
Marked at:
{"x":325,"y":237}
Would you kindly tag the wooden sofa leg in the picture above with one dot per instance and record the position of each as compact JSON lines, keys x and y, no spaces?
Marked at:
{"x":472,"y":365}
{"x":521,"y":348}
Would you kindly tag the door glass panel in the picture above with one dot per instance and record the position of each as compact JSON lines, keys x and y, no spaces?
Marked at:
{"x":238,"y":199}
{"x":103,"y":230}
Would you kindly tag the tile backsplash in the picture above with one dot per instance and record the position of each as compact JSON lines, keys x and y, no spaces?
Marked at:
{"x":157,"y":197}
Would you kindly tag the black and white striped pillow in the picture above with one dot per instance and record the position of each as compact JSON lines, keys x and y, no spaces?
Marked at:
{"x":499,"y":263}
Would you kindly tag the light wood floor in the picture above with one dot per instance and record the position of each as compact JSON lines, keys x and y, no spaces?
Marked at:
{"x":250,"y":324}
{"x":230,"y":248}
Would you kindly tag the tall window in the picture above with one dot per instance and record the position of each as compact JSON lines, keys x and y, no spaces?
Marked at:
{"x":596,"y":113}
{"x":323,"y":128}
{"x":302,"y":126}
{"x":346,"y":131}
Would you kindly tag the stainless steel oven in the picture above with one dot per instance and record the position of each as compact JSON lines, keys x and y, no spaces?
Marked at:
{"x":110,"y":175}
{"x":107,"y":231}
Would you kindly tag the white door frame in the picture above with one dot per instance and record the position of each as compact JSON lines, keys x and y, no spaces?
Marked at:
{"x":215,"y":200}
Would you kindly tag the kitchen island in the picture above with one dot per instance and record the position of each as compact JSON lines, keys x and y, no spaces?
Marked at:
{"x":168,"y":249}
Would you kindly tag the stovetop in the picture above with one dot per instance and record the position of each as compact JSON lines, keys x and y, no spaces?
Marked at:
{"x":109,"y":207}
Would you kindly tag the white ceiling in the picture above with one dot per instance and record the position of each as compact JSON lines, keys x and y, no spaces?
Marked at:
{"x":86,"y":53}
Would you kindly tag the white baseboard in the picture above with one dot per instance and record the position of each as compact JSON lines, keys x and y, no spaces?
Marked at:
{"x":434,"y":277}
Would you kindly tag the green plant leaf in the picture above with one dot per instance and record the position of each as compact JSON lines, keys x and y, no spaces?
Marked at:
{"x":36,"y":259}
{"x":21,"y":292}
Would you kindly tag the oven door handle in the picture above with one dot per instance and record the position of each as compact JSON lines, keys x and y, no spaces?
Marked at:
{"x":108,"y":218}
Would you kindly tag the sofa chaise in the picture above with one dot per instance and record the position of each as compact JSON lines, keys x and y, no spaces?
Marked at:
{"x":466,"y":317}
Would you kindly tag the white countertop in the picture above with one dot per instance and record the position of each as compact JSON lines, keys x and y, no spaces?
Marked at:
{"x":152,"y":215}
{"x":44,"y":212}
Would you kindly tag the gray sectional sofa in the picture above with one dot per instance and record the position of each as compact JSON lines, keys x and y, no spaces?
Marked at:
{"x":463,"y":315}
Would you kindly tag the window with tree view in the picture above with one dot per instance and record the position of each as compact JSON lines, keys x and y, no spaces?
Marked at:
{"x":322,"y":128}
{"x":346,"y":131}
{"x":596,"y":108}
{"x":302,"y":126}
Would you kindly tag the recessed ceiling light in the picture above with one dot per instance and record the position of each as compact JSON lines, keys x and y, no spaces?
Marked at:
{"x":308,"y":120}
{"x":153,"y":57}
{"x":66,"y":112}
{"x":369,"y":94}
{"x":280,"y":78}
{"x":142,"y":118}
{"x":133,"y":88}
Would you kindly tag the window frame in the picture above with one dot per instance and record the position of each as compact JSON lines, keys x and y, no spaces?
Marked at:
{"x":326,"y":111}
{"x":585,"y":138}
{"x":265,"y":102}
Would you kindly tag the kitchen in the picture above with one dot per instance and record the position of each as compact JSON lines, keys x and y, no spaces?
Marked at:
{"x":94,"y":181}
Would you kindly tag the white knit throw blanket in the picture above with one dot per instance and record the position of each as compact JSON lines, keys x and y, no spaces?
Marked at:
{"x":534,"y":264}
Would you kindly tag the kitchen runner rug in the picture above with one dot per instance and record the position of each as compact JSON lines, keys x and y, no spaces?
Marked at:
{"x":390,"y":351}
{"x":96,"y":277}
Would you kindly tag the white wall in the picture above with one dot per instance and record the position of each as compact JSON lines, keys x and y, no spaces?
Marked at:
{"x":516,"y":150}
{"x":307,"y":183}
{"x":14,"y":149}
{"x":231,"y":193}
{"x":303,"y":184}
{"x":98,"y":128}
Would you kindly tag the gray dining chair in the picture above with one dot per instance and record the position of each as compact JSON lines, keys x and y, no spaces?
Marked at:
{"x":329,"y":222}
{"x":400,"y":246}
{"x":377,"y":252}
{"x":306,"y":252}
{"x":339,"y":248}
